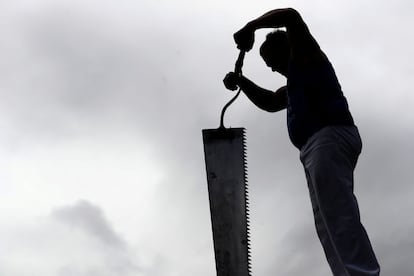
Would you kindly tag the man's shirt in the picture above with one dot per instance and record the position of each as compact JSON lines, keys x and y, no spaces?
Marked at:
{"x":315,"y":100}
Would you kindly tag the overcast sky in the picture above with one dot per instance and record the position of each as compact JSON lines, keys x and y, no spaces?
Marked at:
{"x":101,"y":159}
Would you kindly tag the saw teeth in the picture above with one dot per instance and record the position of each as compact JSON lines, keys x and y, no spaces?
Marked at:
{"x":246,"y":192}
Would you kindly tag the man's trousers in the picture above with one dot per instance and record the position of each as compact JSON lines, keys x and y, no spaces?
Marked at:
{"x":329,"y":158}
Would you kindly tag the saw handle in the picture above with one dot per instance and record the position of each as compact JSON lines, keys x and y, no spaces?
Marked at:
{"x":239,"y":63}
{"x":238,"y":70}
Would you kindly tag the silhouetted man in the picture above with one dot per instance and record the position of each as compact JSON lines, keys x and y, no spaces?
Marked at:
{"x":321,"y":127}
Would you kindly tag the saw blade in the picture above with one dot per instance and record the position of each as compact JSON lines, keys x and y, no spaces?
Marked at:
{"x":226,"y":166}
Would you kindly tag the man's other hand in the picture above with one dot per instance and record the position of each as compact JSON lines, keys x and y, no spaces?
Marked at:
{"x":231,"y":81}
{"x":244,"y":39}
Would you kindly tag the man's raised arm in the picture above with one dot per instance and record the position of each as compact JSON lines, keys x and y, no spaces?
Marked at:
{"x":301,"y":40}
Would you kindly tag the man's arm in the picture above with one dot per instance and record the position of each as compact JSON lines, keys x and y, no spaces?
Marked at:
{"x":302,"y":42}
{"x":262,"y":98}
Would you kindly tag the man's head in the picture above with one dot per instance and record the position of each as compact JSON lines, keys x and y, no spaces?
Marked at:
{"x":275,"y":51}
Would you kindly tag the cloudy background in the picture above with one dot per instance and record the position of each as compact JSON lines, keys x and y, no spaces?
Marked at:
{"x":102,"y":106}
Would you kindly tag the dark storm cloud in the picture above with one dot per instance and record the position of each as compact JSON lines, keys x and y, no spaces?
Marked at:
{"x":89,"y":218}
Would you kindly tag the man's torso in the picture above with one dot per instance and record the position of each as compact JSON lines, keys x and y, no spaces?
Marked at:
{"x":315,"y":99}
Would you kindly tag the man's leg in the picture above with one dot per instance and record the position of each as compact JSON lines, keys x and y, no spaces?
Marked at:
{"x":329,"y":159}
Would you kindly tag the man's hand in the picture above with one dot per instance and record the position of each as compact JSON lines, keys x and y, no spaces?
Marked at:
{"x":244,"y":38}
{"x":231,"y":81}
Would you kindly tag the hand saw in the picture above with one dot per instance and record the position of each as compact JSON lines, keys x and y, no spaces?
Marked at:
{"x":225,"y":158}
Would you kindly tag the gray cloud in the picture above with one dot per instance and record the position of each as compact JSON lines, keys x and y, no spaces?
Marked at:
{"x":117,"y":257}
{"x":89,"y":218}
{"x":74,"y":240}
